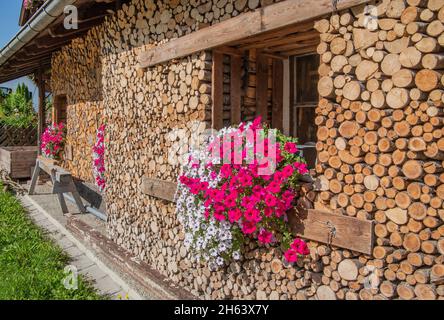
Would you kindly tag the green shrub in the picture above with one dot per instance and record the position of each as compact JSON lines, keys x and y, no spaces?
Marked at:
{"x":16,"y":108}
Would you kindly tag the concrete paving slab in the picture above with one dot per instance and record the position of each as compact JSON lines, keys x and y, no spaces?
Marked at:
{"x":93,"y":273}
{"x":82,"y":262}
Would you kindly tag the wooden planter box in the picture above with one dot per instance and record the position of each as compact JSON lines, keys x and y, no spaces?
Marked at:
{"x":18,"y":161}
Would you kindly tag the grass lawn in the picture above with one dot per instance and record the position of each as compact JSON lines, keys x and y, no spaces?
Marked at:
{"x":31,"y":265}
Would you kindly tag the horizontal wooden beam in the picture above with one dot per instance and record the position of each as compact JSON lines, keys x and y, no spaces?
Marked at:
{"x":320,"y":226}
{"x":245,"y":25}
{"x":159,"y":188}
{"x":338,"y":230}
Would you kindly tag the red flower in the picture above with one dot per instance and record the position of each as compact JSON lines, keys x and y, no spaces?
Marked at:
{"x":270,"y":200}
{"x":300,"y":247}
{"x":291,"y":147}
{"x":265,"y":236}
{"x":252,"y":215}
{"x":234,"y":215}
{"x":291,"y":256}
{"x":248,"y":227}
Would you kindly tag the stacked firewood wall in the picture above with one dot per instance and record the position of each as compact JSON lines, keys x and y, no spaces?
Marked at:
{"x":151,"y":115}
{"x":380,"y":138}
{"x":76,"y":73}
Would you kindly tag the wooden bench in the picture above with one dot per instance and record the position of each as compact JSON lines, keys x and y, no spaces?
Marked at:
{"x":62,"y":182}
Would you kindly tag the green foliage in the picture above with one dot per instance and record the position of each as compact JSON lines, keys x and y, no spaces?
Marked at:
{"x":31,"y":266}
{"x":16,"y":109}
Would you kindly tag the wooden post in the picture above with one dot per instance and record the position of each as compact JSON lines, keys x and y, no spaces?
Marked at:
{"x":41,"y":106}
{"x":292,"y":109}
{"x":278,"y":95}
{"x":235,"y":89}
{"x":217,"y":92}
{"x":262,"y":86}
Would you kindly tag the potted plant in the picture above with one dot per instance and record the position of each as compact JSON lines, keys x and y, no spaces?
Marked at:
{"x":53,"y":141}
{"x":240,"y":185}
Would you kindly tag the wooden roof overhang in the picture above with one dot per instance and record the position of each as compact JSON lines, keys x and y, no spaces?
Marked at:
{"x":36,"y":54}
{"x":297,"y":39}
{"x":271,"y":23}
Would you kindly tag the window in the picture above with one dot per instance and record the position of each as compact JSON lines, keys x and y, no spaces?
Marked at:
{"x":303,"y":101}
{"x":59,"y":109}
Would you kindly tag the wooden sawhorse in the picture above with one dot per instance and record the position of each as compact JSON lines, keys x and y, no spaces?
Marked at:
{"x":62,"y":182}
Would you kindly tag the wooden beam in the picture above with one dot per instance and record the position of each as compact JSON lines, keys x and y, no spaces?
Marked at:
{"x":262,"y":86}
{"x":277,"y":115}
{"x":159,"y":188}
{"x":229,"y":51}
{"x":320,"y":226}
{"x":292,"y":94}
{"x":245,"y":25}
{"x":217,"y":91}
{"x":235,"y":89}
{"x":306,"y":26}
{"x":41,"y":106}
{"x":284,"y":39}
{"x":338,"y":230}
{"x":14,"y":74}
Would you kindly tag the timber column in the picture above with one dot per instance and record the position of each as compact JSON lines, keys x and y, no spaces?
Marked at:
{"x":41,"y":106}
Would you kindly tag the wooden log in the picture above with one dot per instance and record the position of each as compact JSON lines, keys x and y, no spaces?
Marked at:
{"x":428,"y":45}
{"x":425,"y":292}
{"x":410,"y":58}
{"x":417,"y":210}
{"x":388,"y":289}
{"x":427,"y":80}
{"x":405,"y":291}
{"x":413,"y":169}
{"x":391,"y":64}
{"x":404,"y":78}
{"x":398,"y":98}
{"x":325,"y":293}
{"x":437,"y":274}
{"x":412,"y":242}
{"x":397,"y":215}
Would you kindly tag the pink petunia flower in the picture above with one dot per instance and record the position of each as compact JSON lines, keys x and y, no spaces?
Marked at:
{"x":265,"y":237}
{"x":291,"y":147}
{"x":291,"y":256}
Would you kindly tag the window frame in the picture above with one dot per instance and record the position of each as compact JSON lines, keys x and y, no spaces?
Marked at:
{"x":293,"y":127}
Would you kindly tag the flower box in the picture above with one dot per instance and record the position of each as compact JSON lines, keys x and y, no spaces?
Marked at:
{"x":18,"y":161}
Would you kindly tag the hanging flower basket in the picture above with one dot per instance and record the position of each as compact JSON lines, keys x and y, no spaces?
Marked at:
{"x":225,"y":197}
{"x":99,"y":159}
{"x":53,"y":141}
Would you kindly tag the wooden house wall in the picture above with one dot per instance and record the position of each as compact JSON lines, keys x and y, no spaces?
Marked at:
{"x":148,"y":112}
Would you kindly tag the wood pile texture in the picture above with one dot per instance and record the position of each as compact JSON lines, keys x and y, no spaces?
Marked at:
{"x":77,"y":74}
{"x":380,"y":140}
{"x":380,"y":146}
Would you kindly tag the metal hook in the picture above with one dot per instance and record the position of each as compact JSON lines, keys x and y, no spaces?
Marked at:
{"x":334,"y":3}
{"x":332,"y":232}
